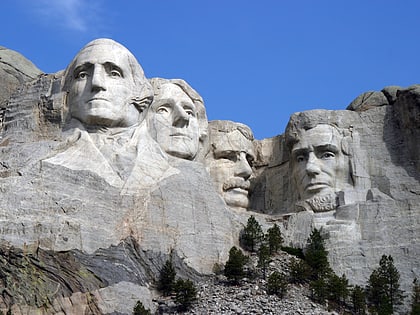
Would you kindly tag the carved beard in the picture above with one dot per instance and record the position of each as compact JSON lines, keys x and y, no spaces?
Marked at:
{"x":323,"y":203}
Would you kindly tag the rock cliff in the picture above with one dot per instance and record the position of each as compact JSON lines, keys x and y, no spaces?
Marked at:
{"x":77,"y":238}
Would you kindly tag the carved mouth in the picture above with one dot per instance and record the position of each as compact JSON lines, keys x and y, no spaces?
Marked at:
{"x":97,"y":99}
{"x":180,"y":134}
{"x":316,"y":186}
{"x":238,"y":185}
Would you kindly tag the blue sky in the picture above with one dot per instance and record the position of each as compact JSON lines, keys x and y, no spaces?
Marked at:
{"x":254,"y":62}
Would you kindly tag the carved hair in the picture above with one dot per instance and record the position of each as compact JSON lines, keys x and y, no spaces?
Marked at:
{"x":227,"y":126}
{"x":309,"y":120}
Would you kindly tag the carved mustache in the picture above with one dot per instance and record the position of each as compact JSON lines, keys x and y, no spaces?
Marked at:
{"x":236,"y":183}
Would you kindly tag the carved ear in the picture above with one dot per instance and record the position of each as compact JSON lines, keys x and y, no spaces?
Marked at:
{"x":142,"y":103}
{"x":203,"y":135}
{"x":345,"y":145}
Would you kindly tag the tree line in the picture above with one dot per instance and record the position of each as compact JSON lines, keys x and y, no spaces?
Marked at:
{"x":309,"y":266}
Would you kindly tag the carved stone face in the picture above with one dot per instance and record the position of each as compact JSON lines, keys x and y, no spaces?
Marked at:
{"x":173,"y":123}
{"x":319,"y":166}
{"x":102,"y":87}
{"x":229,"y":165}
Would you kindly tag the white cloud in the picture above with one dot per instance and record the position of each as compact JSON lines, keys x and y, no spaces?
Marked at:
{"x":76,"y":15}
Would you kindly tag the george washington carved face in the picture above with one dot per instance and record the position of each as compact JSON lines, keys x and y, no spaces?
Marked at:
{"x":104,"y":84}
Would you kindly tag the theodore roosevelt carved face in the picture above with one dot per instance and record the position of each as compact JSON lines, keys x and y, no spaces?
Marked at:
{"x":176,"y":118}
{"x":106,"y":86}
{"x":229,"y":161}
{"x":319,"y":164}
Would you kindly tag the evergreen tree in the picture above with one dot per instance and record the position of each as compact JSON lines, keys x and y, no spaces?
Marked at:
{"x":185,"y":294}
{"x":316,"y":256}
{"x":338,"y":289}
{"x":252,"y":234}
{"x":139,"y":309}
{"x":415,"y":303}
{"x":300,"y":271}
{"x":383,"y":289}
{"x":263,"y":258}
{"x":277,"y":284}
{"x":358,"y":298}
{"x":319,"y":290}
{"x":167,"y":278}
{"x":234,"y":267}
{"x":275,"y":239}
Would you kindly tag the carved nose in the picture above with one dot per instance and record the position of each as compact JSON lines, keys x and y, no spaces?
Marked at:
{"x":98,"y":79}
{"x":180,"y":117}
{"x":243,"y":169}
{"x":312,"y":166}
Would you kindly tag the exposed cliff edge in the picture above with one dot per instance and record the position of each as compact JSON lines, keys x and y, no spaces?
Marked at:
{"x":77,"y":237}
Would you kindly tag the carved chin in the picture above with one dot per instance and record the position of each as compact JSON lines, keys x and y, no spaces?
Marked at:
{"x":236,"y":198}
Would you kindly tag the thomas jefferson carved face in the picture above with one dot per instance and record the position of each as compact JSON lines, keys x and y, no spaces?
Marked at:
{"x":229,"y":164}
{"x":102,"y":86}
{"x":173,"y":122}
{"x":319,"y":166}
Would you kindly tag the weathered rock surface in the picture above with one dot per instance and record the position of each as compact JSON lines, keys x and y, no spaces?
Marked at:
{"x":15,"y":70}
{"x":73,"y":240}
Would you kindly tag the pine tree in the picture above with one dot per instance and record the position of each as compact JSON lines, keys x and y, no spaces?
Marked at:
{"x":319,"y":290}
{"x":252,"y":234}
{"x":316,"y":255}
{"x":383,"y":289}
{"x":338,"y":289}
{"x":277,"y":284}
{"x":167,"y":278}
{"x":275,"y":239}
{"x":234,"y":267}
{"x":185,"y":294}
{"x":139,"y":309}
{"x":263,"y":258}
{"x":415,"y":303}
{"x":300,"y":271}
{"x":358,"y":298}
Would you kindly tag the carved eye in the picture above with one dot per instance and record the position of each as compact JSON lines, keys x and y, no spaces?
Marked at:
{"x":115,"y":73}
{"x":327,"y":155}
{"x":162,"y":110}
{"x":82,"y":75}
{"x":300,"y":158}
{"x":190,"y":112}
{"x":228,"y":156}
{"x":250,"y":160}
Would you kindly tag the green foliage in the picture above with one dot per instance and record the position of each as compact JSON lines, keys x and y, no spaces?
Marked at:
{"x":316,"y":255}
{"x":185,"y":294}
{"x":277,"y":284}
{"x":217,"y":269}
{"x":319,"y":290}
{"x":252,"y":235}
{"x":297,"y":252}
{"x":383,"y":289}
{"x":234,"y":267}
{"x":358,"y":299}
{"x":415,"y":303}
{"x":274,"y":239}
{"x":263,"y":257}
{"x":338,"y":289}
{"x":167,"y":278}
{"x":300,"y":271}
{"x":139,"y":309}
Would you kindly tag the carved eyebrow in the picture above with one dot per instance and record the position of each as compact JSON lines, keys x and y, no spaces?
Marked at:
{"x":301,"y":151}
{"x":163,"y":101}
{"x":110,"y":65}
{"x":84,"y":66}
{"x":327,"y":147}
